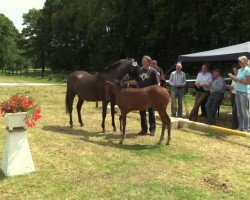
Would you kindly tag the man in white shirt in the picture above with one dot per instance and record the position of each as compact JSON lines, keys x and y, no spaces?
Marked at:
{"x":177,"y":81}
{"x":202,"y":86}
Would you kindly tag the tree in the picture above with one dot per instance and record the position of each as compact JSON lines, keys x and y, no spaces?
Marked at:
{"x":89,"y":34}
{"x":8,"y":42}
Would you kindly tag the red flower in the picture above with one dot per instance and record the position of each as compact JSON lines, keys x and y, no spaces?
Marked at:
{"x":30,"y":123}
{"x":22,"y":103}
{"x":36,"y":116}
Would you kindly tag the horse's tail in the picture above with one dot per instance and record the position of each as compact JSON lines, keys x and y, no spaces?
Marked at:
{"x":67,"y":102}
{"x":68,"y":95}
{"x":67,"y":99}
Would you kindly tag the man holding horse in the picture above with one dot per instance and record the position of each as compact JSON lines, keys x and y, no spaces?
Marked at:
{"x":147,"y":76}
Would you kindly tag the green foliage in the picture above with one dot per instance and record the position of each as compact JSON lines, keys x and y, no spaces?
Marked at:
{"x":89,"y":34}
{"x":8,"y":46}
{"x":11,"y":52}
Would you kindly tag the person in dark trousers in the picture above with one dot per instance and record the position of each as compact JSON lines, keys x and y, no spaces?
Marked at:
{"x":202,"y":85}
{"x":203,"y":108}
{"x":235,"y":121}
{"x":160,"y":72}
{"x":147,"y":76}
{"x":178,"y":82}
{"x":215,"y":98}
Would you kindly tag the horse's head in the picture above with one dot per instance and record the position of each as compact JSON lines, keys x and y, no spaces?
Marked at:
{"x":133,"y":67}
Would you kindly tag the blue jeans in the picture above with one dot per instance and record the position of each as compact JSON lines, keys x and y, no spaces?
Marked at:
{"x":241,"y":100}
{"x":144,"y":126}
{"x":212,"y":106}
{"x":177,"y":93}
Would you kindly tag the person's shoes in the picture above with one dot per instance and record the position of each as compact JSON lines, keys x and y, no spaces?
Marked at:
{"x":152,"y":133}
{"x":142,"y":133}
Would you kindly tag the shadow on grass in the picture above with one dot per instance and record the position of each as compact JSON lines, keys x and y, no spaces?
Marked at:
{"x":109,"y":137}
{"x":2,"y":176}
{"x":221,"y":137}
{"x":110,"y":143}
{"x":72,"y":131}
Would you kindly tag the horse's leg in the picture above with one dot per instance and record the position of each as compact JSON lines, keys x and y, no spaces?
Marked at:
{"x":69,"y":105}
{"x":165,"y":122}
{"x":79,"y":107}
{"x":104,"y":114}
{"x":112,"y":105}
{"x":169,"y":129}
{"x":123,"y":128}
{"x":120,"y":119}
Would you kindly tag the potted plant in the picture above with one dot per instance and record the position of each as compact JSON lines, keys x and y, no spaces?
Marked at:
{"x":20,"y":111}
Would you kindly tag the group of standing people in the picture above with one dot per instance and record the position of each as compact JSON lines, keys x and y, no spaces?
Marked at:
{"x":210,"y":89}
{"x":240,"y":90}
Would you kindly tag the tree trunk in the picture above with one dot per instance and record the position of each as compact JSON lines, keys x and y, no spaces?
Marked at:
{"x":43,"y":63}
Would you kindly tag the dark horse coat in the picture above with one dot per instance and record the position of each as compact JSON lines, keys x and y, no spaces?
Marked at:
{"x":91,"y":87}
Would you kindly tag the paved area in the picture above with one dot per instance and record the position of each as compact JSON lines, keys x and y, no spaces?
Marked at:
{"x":30,"y":84}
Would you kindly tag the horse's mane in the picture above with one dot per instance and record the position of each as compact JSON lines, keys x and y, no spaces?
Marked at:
{"x":112,"y":66}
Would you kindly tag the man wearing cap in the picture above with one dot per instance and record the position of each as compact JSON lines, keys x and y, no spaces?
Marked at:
{"x":177,"y":81}
{"x":217,"y":91}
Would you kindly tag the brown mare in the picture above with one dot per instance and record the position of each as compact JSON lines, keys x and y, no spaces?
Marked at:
{"x":92,"y":88}
{"x":129,"y":99}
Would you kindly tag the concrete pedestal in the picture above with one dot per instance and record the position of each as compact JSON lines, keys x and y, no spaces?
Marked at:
{"x":17,"y":159}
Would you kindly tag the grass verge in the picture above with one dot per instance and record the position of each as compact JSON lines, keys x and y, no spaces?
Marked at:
{"x":83,"y":163}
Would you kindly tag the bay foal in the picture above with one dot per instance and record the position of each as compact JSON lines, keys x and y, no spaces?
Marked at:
{"x":129,"y":99}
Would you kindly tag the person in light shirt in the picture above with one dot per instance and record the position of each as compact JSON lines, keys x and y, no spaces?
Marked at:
{"x":235,"y":121}
{"x":242,"y":80}
{"x":177,"y":81}
{"x":202,"y":85}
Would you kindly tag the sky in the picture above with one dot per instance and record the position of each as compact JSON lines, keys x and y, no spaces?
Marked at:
{"x":14,"y":9}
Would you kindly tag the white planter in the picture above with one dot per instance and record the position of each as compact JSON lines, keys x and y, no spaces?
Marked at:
{"x":17,"y":159}
{"x":15,"y":120}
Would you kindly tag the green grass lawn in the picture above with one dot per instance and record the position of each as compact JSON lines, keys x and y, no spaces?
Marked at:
{"x":83,"y":163}
{"x":20,"y":79}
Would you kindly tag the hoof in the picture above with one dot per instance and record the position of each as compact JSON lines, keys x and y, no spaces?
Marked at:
{"x":121,"y":142}
{"x":71,"y":126}
{"x":104,"y":131}
{"x":160,"y":142}
{"x":167,"y":143}
{"x":81,"y":125}
{"x":115,"y":130}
